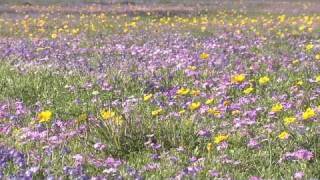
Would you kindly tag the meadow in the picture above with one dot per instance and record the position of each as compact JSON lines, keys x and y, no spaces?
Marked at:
{"x":214,"y":90}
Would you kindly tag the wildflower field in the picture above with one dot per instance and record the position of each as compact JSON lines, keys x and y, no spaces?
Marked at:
{"x":165,"y":90}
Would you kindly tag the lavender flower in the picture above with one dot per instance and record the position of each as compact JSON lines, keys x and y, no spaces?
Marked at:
{"x":301,"y":154}
{"x":298,"y":175}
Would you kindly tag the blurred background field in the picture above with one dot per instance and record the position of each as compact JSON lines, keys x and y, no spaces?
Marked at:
{"x":255,"y":6}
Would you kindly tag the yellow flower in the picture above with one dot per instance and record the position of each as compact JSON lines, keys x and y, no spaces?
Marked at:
{"x":235,"y":112}
{"x":283,"y":135}
{"x":147,"y":97}
{"x":302,"y":27}
{"x":318,"y":56}
{"x":195,"y":92}
{"x":318,"y":78}
{"x":193,"y":68}
{"x":277,"y":108}
{"x":209,"y":101}
{"x":204,"y":56}
{"x":214,"y":112}
{"x":300,"y":83}
{"x":239,"y":78}
{"x":209,"y":147}
{"x":309,"y":47}
{"x":264,"y":80}
{"x":182,"y":111}
{"x":289,"y":120}
{"x":248,"y":90}
{"x":54,"y":35}
{"x":183,"y":91}
{"x":295,"y":62}
{"x":227,"y":103}
{"x":203,"y":28}
{"x":75,"y":31}
{"x":44,"y":116}
{"x":194,"y":106}
{"x":309,"y":113}
{"x":105,"y":114}
{"x":220,"y":138}
{"x":156,"y":112}
{"x":282,"y":18}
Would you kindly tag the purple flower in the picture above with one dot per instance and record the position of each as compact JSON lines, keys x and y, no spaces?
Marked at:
{"x":111,"y":162}
{"x":298,"y":175}
{"x":155,"y":157}
{"x":214,"y":173}
{"x":32,"y":170}
{"x":20,"y":108}
{"x":192,"y":170}
{"x":193,"y":159}
{"x":8,"y":155}
{"x":301,"y":154}
{"x":255,"y":178}
{"x":151,"y":167}
{"x":110,"y":171}
{"x":155,"y":146}
{"x":204,"y":133}
{"x":99,"y":146}
{"x":75,"y":171}
{"x":222,"y":146}
{"x":78,"y":158}
{"x":253,"y":144}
